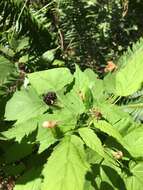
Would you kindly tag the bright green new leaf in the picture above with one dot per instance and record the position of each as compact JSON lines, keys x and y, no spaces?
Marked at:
{"x":91,"y":140}
{"x":66,"y":167}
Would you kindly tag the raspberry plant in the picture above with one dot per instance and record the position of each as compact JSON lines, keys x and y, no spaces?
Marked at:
{"x":87,"y":140}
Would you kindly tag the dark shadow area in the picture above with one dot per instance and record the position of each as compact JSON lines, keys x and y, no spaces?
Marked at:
{"x":114,"y":177}
{"x":105,"y":185}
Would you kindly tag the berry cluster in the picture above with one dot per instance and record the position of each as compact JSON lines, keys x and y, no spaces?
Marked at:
{"x":50,"y":98}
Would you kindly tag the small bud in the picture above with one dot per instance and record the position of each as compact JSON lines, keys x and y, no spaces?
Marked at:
{"x":110,"y":67}
{"x":49,"y":124}
{"x":96,"y":113}
{"x":118,"y":155}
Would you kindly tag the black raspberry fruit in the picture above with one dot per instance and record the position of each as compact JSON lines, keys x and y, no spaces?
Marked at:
{"x":50,"y":98}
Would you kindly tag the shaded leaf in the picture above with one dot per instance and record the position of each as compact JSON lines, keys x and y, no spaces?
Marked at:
{"x":30,"y":180}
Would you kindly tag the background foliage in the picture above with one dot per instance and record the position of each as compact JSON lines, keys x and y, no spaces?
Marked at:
{"x":89,"y":33}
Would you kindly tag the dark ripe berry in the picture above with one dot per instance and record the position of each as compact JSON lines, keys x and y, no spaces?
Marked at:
{"x":50,"y":98}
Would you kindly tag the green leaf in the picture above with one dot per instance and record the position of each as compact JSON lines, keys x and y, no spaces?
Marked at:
{"x":25,"y":104}
{"x":135,"y":181}
{"x":111,"y":112}
{"x":7,"y":71}
{"x":109,"y":82}
{"x":45,"y":138}
{"x":88,"y":185}
{"x":109,"y":129}
{"x":50,"y":80}
{"x":82,"y":80}
{"x":125,"y":125}
{"x":90,"y":74}
{"x":71,"y":104}
{"x":105,"y":175}
{"x":88,"y":99}
{"x":91,"y":140}
{"x":18,"y":131}
{"x":70,"y":171}
{"x":66,"y":118}
{"x":49,"y":55}
{"x":111,"y":176}
{"x":58,"y":63}
{"x":6,"y":50}
{"x":98,"y":91}
{"x":22,"y":43}
{"x":87,"y":84}
{"x":113,"y":132}
{"x":134,"y":140}
{"x":17,"y":151}
{"x":30,"y":180}
{"x":93,"y":157}
{"x":128,"y":78}
{"x":24,"y":58}
{"x":83,"y":85}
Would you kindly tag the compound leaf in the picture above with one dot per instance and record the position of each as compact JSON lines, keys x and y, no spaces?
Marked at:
{"x":70,"y":171}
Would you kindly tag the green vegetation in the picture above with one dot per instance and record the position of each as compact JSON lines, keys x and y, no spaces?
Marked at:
{"x":71,"y":99}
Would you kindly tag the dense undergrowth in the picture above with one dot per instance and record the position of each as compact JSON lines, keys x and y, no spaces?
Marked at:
{"x":71,"y":99}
